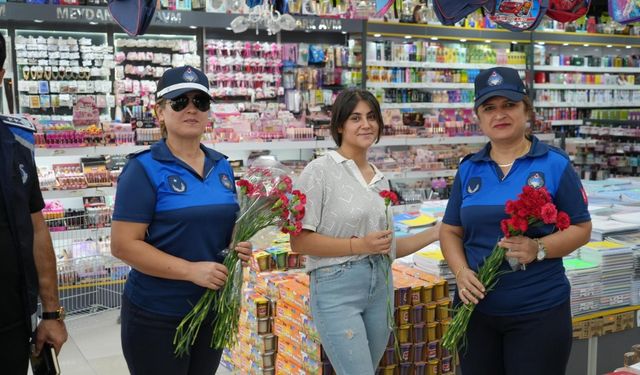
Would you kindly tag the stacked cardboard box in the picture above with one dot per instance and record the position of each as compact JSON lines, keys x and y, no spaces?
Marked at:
{"x":422,"y":316}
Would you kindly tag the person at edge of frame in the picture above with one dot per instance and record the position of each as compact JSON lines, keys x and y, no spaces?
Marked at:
{"x":28,"y":265}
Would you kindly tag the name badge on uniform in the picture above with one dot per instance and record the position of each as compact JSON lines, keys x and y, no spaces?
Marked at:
{"x":474,"y":185}
{"x":177,"y":184}
{"x":536,"y":180}
{"x":226,"y":181}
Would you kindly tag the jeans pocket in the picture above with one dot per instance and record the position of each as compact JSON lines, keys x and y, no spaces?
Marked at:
{"x":329,"y":273}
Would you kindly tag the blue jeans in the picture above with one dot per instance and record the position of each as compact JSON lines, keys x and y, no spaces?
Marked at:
{"x":349,"y":308}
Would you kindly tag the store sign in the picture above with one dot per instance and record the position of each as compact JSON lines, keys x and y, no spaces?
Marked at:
{"x":89,"y":14}
{"x":83,"y":14}
{"x":322,"y":24}
{"x":168,"y":17}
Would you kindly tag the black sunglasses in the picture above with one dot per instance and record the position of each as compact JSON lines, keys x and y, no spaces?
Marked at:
{"x":202,"y":102}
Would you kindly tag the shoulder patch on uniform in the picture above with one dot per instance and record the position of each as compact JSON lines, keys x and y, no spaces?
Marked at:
{"x":18,"y":122}
{"x":134,"y":155}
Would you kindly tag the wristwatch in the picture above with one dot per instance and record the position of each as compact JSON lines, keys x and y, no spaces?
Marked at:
{"x":59,"y":314}
{"x":542,"y":250}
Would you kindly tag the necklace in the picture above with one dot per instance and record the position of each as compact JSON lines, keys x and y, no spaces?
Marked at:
{"x":507,"y":165}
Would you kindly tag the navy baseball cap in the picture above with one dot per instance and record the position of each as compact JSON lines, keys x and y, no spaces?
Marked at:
{"x":178,"y":81}
{"x":499,"y":81}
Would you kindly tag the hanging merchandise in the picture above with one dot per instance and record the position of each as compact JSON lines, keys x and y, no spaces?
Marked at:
{"x":519,"y":15}
{"x":133,"y":16}
{"x":450,"y":12}
{"x":568,"y":10}
{"x":624,"y":11}
{"x":316,"y":54}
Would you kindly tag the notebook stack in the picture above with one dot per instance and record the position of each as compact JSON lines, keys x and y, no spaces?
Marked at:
{"x":616,"y":263}
{"x":586,"y":290}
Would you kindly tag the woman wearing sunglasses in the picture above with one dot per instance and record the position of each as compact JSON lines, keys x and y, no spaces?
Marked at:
{"x":174,"y":213}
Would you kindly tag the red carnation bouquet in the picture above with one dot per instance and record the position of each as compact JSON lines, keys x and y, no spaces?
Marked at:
{"x":266,"y":198}
{"x":533,"y":207}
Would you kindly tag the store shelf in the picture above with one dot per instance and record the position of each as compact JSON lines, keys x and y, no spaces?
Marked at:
{"x":425,"y":105}
{"x":420,"y":174}
{"x":433,"y":65}
{"x":79,"y":193}
{"x":400,"y":30}
{"x":562,"y":86}
{"x":582,"y":38}
{"x":89,"y":151}
{"x":585,"y":105}
{"x":421,"y":85}
{"x":612,"y":122}
{"x":585,"y":69}
{"x":566,"y":122}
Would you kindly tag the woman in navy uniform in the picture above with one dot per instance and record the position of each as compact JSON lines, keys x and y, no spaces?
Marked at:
{"x":522,"y":326}
{"x":174,"y":213}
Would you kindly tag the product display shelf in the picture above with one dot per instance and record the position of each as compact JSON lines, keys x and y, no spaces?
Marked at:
{"x":436,"y":65}
{"x":275,"y":145}
{"x":586,"y":69}
{"x":410,"y":30}
{"x":566,"y":122}
{"x":78,"y":193}
{"x":423,"y":85}
{"x":584,"y":105}
{"x":424,"y":105}
{"x":562,"y":86}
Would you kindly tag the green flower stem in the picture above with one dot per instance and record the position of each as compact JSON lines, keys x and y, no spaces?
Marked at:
{"x":488,"y":275}
{"x":225,"y":302}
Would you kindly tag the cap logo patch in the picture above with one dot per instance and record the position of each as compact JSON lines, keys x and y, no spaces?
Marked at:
{"x":495,"y":79}
{"x":189,"y":76}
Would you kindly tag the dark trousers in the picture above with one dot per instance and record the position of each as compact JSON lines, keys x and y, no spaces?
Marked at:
{"x":531,"y":344}
{"x":14,"y":349}
{"x":147,"y":343}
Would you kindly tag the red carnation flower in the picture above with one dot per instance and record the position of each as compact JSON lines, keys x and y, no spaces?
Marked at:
{"x":549,"y":213}
{"x":562,"y":220}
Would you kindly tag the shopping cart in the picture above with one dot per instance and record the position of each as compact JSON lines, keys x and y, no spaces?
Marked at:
{"x":90,"y":280}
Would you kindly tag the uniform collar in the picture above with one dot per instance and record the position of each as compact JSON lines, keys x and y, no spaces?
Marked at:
{"x":537,"y":149}
{"x":160,"y":151}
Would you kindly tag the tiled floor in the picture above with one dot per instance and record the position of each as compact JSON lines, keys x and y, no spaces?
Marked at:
{"x":94,"y":347}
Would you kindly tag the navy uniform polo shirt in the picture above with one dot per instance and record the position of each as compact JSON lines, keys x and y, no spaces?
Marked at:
{"x":189,"y":217}
{"x":477,"y":204}
{"x":20,"y":197}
